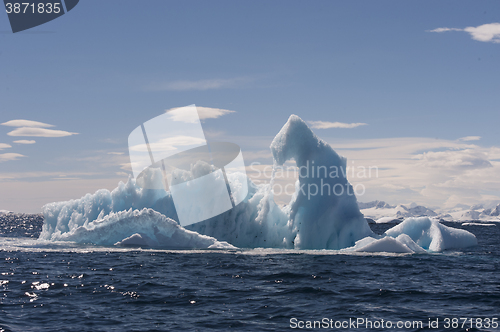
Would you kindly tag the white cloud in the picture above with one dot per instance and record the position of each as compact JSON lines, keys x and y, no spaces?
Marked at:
{"x":470,"y":138}
{"x":328,"y":125}
{"x":126,"y":167}
{"x":484,"y":33}
{"x":430,"y":170}
{"x":467,"y":158}
{"x":5,"y":146}
{"x":208,"y":84}
{"x":176,"y":114}
{"x":169,"y":144}
{"x":9,"y":156}
{"x":401,"y":145}
{"x":253,"y":155}
{"x":24,"y":141}
{"x":212,"y":134}
{"x":212,"y":113}
{"x":393,"y":186}
{"x":26,"y":123}
{"x":444,"y":30}
{"x":116,"y":153}
{"x":39,"y":132}
{"x":43,"y":175}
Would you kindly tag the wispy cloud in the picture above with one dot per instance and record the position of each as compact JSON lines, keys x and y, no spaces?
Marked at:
{"x":203,"y":113}
{"x":212,"y":134}
{"x":39,"y":132}
{"x":328,"y":125}
{"x":116,"y":153}
{"x":26,"y":123}
{"x":44,"y":175}
{"x":33,"y":128}
{"x":467,"y":158}
{"x":169,"y":144}
{"x":206,"y":84}
{"x":5,"y":146}
{"x":261,"y":154}
{"x":484,"y":33}
{"x":470,"y":138}
{"x":9,"y":156}
{"x":212,"y":113}
{"x":445,"y":29}
{"x":24,"y":141}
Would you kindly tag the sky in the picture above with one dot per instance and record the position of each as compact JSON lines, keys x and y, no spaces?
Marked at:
{"x":411,"y":88}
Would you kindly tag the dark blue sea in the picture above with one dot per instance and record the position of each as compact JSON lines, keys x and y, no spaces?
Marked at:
{"x":69,"y":287}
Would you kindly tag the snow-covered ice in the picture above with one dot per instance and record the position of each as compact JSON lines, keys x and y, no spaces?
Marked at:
{"x":380,"y":209}
{"x":461,"y":213}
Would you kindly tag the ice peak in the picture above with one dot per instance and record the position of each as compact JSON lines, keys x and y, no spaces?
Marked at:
{"x":294,"y":140}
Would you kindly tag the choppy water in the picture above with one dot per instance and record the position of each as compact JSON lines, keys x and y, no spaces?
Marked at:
{"x":67,"y":287}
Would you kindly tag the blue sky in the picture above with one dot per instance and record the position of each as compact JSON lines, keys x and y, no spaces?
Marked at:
{"x":107,"y":66}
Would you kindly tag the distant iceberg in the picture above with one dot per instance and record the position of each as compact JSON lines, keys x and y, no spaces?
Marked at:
{"x":131,"y":215}
{"x":431,"y":235}
{"x":415,"y":235}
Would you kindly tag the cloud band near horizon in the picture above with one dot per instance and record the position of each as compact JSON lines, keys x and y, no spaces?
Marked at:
{"x":328,"y":125}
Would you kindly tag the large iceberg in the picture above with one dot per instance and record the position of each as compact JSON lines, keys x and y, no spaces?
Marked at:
{"x":323,"y":212}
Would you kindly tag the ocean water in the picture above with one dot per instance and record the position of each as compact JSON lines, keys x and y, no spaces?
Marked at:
{"x":69,"y":287}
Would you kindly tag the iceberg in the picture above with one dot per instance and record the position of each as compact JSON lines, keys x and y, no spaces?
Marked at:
{"x":144,"y":228}
{"x":431,"y":235}
{"x":417,"y":235}
{"x":323,"y":212}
